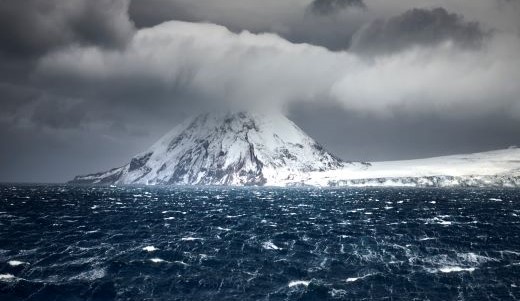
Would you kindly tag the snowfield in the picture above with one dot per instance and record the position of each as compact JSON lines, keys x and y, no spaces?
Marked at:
{"x":495,"y":168}
{"x":242,"y":149}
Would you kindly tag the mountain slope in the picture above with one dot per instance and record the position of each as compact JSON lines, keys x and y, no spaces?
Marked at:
{"x":224,"y":149}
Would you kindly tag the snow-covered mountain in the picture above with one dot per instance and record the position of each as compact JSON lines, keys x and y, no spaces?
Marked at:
{"x":257,"y":149}
{"x":225,"y":149}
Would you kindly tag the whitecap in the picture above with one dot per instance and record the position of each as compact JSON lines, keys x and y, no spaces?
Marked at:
{"x":338,"y":293}
{"x":7,"y":277}
{"x":269,"y":245}
{"x":169,"y":218}
{"x":157,"y":260}
{"x":495,"y":199}
{"x":16,"y":262}
{"x":298,"y":282}
{"x":451,"y":269}
{"x":150,"y":249}
{"x":474,"y":258}
{"x":438,"y":220}
{"x":354,"y":279}
{"x":233,"y":216}
{"x":190,"y":238}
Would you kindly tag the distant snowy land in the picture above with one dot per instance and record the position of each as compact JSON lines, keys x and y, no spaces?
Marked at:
{"x":500,"y":168}
{"x":248,"y":149}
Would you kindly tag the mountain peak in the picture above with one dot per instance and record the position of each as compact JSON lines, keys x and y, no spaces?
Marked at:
{"x":224,"y":148}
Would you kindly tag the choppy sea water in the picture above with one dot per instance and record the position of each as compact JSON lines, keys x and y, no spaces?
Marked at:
{"x":153,"y":243}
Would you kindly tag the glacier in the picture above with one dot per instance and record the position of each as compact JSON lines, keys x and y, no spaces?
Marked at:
{"x":255,"y":149}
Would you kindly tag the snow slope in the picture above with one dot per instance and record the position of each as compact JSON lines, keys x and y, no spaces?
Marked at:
{"x":500,"y":168}
{"x":255,"y":149}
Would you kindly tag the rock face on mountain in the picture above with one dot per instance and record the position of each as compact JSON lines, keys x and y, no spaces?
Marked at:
{"x":224,"y":149}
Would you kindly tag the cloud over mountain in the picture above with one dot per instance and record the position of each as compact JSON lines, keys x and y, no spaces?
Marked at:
{"x":207,"y":63}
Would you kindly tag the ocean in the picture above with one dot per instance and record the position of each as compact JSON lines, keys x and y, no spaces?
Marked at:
{"x":60,"y":242}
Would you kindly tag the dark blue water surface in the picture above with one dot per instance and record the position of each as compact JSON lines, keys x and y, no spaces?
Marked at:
{"x":152,"y":243}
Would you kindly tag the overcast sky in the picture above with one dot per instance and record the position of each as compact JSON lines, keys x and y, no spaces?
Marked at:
{"x":85,"y":85}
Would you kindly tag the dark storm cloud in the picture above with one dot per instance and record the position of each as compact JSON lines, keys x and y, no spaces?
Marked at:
{"x":34,"y":27}
{"x":417,"y":27}
{"x":405,"y":136}
{"x":13,"y":97}
{"x":54,"y":155}
{"x":147,"y":13}
{"x":325,"y":7}
{"x":59,"y":114}
{"x":28,"y":106}
{"x":30,"y":29}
